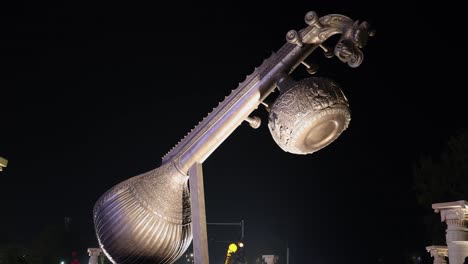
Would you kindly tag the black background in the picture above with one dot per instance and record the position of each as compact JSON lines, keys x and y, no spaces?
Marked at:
{"x":94,"y":93}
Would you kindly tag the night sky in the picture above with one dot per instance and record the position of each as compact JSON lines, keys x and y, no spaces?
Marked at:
{"x":94,"y":93}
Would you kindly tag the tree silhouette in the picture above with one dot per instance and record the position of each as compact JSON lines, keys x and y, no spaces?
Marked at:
{"x":442,"y":179}
{"x":50,"y":244}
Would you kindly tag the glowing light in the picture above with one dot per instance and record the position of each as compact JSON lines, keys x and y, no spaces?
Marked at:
{"x":232,"y":248}
{"x":241,"y":245}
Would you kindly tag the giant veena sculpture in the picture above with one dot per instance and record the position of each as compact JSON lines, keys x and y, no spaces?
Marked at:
{"x":148,"y":218}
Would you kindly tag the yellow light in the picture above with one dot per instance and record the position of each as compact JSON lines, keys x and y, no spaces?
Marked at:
{"x":232,"y":248}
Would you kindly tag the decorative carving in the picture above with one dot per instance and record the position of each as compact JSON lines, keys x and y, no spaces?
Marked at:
{"x":353,"y":39}
{"x":335,"y":21}
{"x":310,"y":103}
{"x":457,"y":210}
{"x":439,"y":253}
{"x":454,"y":214}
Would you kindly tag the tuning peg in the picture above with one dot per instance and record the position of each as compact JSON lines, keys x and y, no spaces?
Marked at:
{"x":267,"y":105}
{"x":311,"y":18}
{"x":254,"y":121}
{"x":327,"y":51}
{"x":311,"y":68}
{"x":294,"y":37}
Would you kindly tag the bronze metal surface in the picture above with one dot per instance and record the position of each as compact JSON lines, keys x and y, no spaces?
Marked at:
{"x":145,"y":219}
{"x":309,"y":115}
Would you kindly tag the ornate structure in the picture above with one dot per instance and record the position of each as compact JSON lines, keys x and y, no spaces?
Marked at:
{"x":455,"y":215}
{"x":309,"y":115}
{"x":439,"y":253}
{"x":94,"y":255}
{"x":148,"y":218}
{"x":270,"y":259}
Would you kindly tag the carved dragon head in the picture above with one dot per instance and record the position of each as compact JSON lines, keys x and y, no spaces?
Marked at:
{"x":348,"y":48}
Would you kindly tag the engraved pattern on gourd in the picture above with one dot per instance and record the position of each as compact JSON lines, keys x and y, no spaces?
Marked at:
{"x":312,"y":97}
{"x":333,"y":24}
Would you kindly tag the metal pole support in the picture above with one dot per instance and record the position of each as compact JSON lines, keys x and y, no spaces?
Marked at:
{"x":197,"y":200}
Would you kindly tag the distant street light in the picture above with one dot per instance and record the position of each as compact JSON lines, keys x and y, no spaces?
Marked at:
{"x":189,"y":258}
{"x":3,"y":163}
{"x":62,"y":262}
{"x":232,"y":248}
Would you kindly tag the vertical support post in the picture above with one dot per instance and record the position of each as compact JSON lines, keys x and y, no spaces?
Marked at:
{"x":242,"y":230}
{"x":455,"y":215}
{"x":197,"y":200}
